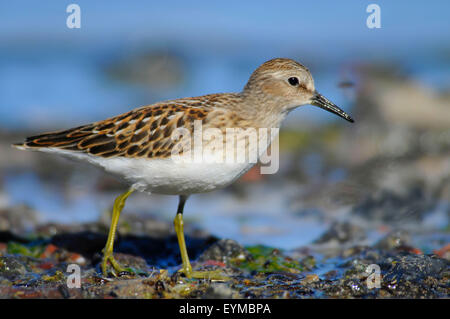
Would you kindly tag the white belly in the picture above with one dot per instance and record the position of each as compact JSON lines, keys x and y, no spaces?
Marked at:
{"x":164,"y":176}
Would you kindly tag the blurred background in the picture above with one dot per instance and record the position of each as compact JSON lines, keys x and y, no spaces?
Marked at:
{"x":389,"y":171}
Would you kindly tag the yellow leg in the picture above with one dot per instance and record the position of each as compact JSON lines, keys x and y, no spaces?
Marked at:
{"x":119,"y":203}
{"x":186,"y":267}
{"x":179,"y":229}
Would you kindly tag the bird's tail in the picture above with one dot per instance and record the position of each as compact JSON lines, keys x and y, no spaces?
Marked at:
{"x":67,"y":139}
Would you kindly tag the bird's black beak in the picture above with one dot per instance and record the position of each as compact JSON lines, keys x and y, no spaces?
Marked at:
{"x":322,"y":102}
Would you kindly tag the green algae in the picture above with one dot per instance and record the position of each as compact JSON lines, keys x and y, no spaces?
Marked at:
{"x":15,"y":248}
{"x":57,"y":276}
{"x":265,"y":259}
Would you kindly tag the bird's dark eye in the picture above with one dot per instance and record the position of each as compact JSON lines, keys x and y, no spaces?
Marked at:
{"x":293,"y":81}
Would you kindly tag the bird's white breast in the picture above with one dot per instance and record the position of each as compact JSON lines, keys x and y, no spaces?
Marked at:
{"x":164,"y":176}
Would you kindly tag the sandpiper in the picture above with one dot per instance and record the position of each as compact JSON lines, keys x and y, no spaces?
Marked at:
{"x":139,"y":145}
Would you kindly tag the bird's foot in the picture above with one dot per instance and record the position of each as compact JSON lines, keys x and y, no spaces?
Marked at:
{"x":111,"y":266}
{"x":215,"y":275}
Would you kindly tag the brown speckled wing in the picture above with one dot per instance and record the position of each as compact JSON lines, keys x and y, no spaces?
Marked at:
{"x":140,"y":133}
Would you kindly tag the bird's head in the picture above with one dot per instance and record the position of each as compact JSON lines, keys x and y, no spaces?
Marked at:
{"x":289,"y":84}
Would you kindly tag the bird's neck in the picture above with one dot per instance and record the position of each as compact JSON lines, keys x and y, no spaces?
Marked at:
{"x":263,"y":111}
